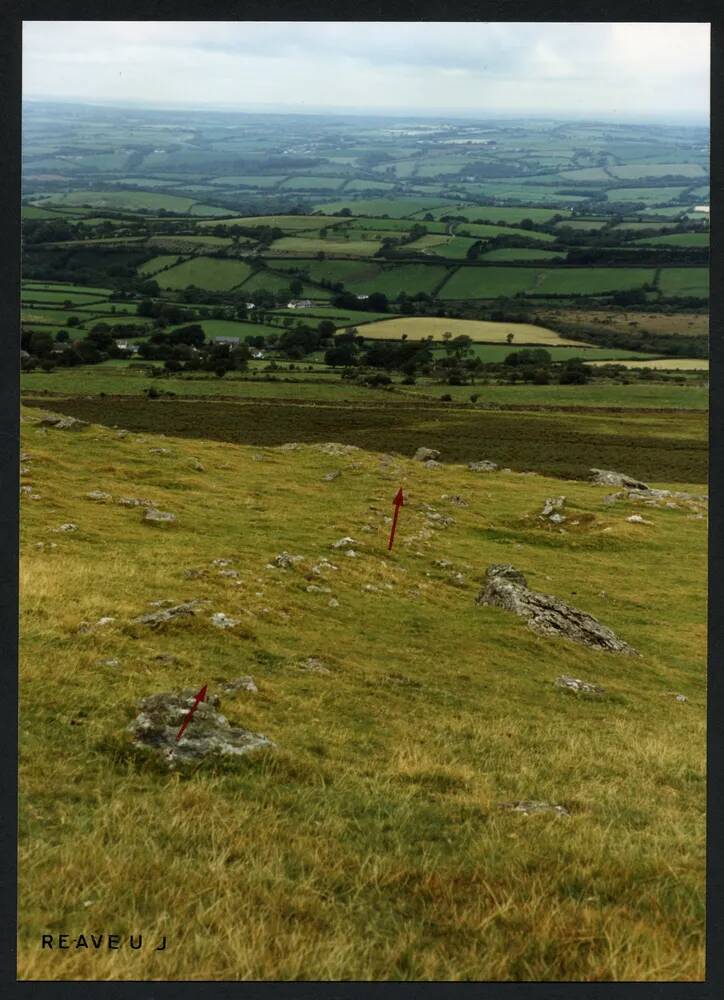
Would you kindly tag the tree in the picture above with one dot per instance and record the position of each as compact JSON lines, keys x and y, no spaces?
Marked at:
{"x":296,"y":286}
{"x":509,"y":337}
{"x":343,"y":355}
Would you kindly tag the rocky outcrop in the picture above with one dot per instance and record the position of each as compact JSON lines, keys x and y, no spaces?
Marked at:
{"x":605,"y":477}
{"x":484,"y":466}
{"x":426,"y":455}
{"x":61,"y":423}
{"x":506,"y":587}
{"x":208,"y":734}
{"x":157,"y":618}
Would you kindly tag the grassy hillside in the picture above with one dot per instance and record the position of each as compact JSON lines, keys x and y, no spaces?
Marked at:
{"x":370,"y":843}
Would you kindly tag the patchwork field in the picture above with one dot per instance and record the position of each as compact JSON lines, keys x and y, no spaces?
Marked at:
{"x":420,"y":327}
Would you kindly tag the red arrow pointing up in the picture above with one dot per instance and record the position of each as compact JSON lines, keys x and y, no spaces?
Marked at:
{"x":201,"y":696}
{"x":398,"y":502}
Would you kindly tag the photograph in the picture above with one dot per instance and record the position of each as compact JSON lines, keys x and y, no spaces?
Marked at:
{"x":364,"y":447}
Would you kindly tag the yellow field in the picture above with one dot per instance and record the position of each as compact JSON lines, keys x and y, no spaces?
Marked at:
{"x":419,"y":327}
{"x":664,"y":364}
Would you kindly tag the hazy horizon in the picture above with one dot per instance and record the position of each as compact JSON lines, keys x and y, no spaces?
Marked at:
{"x":694,"y":119}
{"x":604,"y":71}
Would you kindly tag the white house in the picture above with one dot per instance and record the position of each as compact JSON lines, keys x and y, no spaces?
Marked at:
{"x":299,"y":304}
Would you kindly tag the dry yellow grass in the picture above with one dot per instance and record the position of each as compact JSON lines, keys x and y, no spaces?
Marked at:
{"x":663,"y":364}
{"x":369,"y":845}
{"x":695,"y":324}
{"x":483,"y":331}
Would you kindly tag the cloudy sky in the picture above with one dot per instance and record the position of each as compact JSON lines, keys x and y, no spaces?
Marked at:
{"x":610,"y":69}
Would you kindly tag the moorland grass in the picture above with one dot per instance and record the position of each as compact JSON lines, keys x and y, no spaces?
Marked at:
{"x":370,"y":843}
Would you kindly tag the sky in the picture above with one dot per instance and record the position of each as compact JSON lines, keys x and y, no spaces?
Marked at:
{"x":611,"y":70}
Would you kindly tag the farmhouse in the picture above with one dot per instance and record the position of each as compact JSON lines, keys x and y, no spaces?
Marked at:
{"x":231,"y":341}
{"x":123,"y":345}
{"x":299,"y":304}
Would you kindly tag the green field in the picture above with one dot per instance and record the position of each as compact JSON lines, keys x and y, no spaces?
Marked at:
{"x":684,"y":281}
{"x":488,"y":231}
{"x":340,"y":317}
{"x":276,"y":282}
{"x":521,"y":253}
{"x":488,"y":282}
{"x":214,"y":273}
{"x":395,"y":208}
{"x":328,"y":270}
{"x":133,"y":201}
{"x":676,"y":240}
{"x":247,"y":180}
{"x":75,"y":296}
{"x":313,"y":183}
{"x":591,"y":225}
{"x":593,"y":280}
{"x":150,"y":267}
{"x":641,"y":171}
{"x":500,"y":214}
{"x":292,"y":223}
{"x":409,"y":278}
{"x":388,"y":226}
{"x":651,"y":196}
{"x":337,"y":247}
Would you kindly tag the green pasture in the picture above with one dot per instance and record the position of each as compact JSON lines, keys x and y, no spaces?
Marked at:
{"x":684,"y":281}
{"x":215,"y":273}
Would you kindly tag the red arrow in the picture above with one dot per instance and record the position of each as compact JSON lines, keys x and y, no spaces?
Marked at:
{"x":398,"y":502}
{"x":201,"y":696}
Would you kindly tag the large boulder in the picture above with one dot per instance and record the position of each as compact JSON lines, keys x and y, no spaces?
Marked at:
{"x":506,"y":587}
{"x":426,"y":455}
{"x":484,"y":466}
{"x":605,"y":477}
{"x":208,"y":734}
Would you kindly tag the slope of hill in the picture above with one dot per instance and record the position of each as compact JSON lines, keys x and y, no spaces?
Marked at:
{"x":370,"y":843}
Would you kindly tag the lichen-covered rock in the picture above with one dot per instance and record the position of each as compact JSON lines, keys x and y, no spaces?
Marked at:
{"x":329,"y":477}
{"x":61,"y":423}
{"x":285,"y":561}
{"x":506,"y":587}
{"x":553,"y":510}
{"x":134,"y":502}
{"x":221,"y":620}
{"x":605,"y":477}
{"x":336,"y":449}
{"x":208,"y":734}
{"x":99,"y":496}
{"x":315,"y":665}
{"x":155,"y":516}
{"x":579,"y":686}
{"x":344,"y":543}
{"x":157,"y":618}
{"x":68,"y":526}
{"x":240,"y":684}
{"x":426,"y":455}
{"x":484,"y":466}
